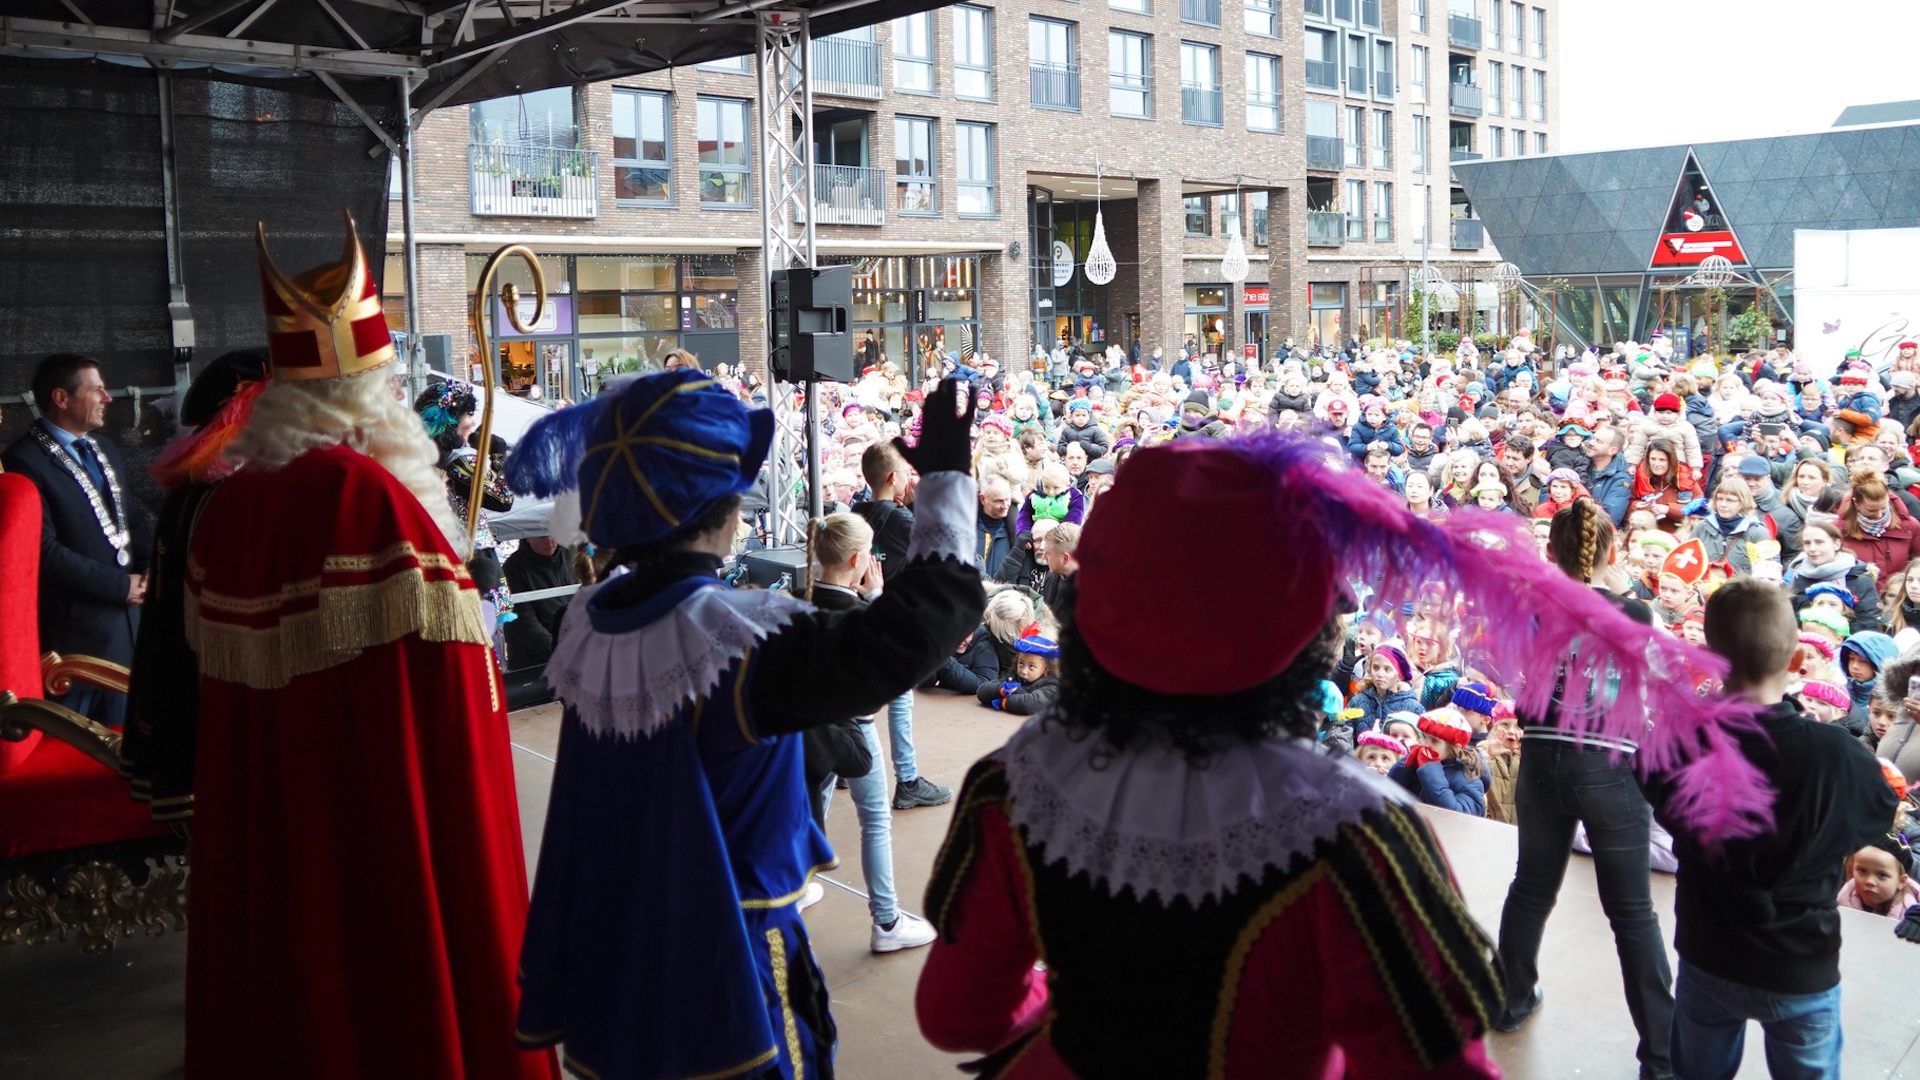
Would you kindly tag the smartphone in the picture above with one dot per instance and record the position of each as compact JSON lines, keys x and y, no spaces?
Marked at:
{"x":1913,"y":687}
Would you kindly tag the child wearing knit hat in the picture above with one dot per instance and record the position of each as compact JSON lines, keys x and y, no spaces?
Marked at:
{"x":1445,"y":770}
{"x":1826,"y":702}
{"x":1389,"y":686}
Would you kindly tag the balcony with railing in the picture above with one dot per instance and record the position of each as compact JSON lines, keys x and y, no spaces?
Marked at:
{"x":1469,"y":234}
{"x":847,"y":195}
{"x":1325,"y":152}
{"x":1326,"y":228}
{"x":846,"y":66}
{"x":1055,"y":86}
{"x":1200,"y":104}
{"x":1463,"y":31}
{"x":1463,"y":100}
{"x":1323,"y":74}
{"x":517,"y":180}
{"x":1458,"y":154}
{"x":1204,"y":12}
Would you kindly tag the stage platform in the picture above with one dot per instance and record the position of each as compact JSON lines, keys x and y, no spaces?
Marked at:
{"x":117,"y":1017}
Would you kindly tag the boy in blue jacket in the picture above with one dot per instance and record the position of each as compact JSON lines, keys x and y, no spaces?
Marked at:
{"x":1444,"y":770}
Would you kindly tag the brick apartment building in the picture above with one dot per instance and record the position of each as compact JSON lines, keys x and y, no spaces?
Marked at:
{"x":958,"y":151}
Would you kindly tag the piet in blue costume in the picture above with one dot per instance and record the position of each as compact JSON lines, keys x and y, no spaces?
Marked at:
{"x":665,"y":940}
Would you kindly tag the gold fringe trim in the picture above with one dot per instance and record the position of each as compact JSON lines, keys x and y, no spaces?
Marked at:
{"x":777,"y":950}
{"x":349,"y":620}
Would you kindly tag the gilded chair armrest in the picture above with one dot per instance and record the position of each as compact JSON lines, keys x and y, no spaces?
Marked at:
{"x":18,"y":717}
{"x":59,"y":673}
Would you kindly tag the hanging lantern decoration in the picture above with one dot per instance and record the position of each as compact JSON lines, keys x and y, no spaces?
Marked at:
{"x":1100,"y":266}
{"x":1233,"y":265}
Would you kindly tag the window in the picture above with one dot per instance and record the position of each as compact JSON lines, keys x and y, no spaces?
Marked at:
{"x":1539,"y":95}
{"x":1263,"y":92}
{"x":1356,"y":128}
{"x":1516,"y":29}
{"x":1054,"y":76}
{"x":1358,"y":81}
{"x":1382,"y":139}
{"x":733,"y":65}
{"x":1138,"y":7}
{"x":725,"y":173}
{"x":1263,"y":17}
{"x":1493,"y":25}
{"x":1200,"y":83}
{"x":913,"y":170}
{"x":1343,"y":11}
{"x":1420,"y":16}
{"x":1370,"y":14}
{"x":972,"y":53}
{"x":1230,"y":215}
{"x":1539,"y":142}
{"x":642,"y":147}
{"x":1540,"y":33}
{"x":1519,"y":144}
{"x":1203,"y":12}
{"x":1383,"y":70}
{"x":1356,"y":209}
{"x":1316,"y":9}
{"x":1518,"y":81}
{"x":1199,"y":221}
{"x":1495,"y":70}
{"x":1420,"y":140}
{"x":973,"y":145}
{"x":1417,"y":85}
{"x":1382,"y":212}
{"x":913,"y":53}
{"x":1497,"y":140}
{"x":1323,"y":59}
{"x":1417,"y":211}
{"x":1129,"y":82}
{"x":541,"y":120}
{"x":1257,"y":205}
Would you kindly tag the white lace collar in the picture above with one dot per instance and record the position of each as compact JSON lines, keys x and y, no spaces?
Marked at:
{"x":630,"y":684}
{"x":1149,"y":821}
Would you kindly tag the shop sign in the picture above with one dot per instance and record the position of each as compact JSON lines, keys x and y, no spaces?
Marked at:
{"x":1253,"y":296}
{"x":1690,"y":249}
{"x":1062,"y":264}
{"x":556,"y":319}
{"x":1251,"y":352}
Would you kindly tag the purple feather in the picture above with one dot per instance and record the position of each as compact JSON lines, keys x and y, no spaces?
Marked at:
{"x":546,"y":460}
{"x":1629,"y":683}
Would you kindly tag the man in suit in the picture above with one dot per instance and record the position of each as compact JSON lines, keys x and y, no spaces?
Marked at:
{"x":94,"y":538}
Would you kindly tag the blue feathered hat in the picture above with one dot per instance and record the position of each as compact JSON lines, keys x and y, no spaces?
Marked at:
{"x":1474,"y":697}
{"x":648,"y":460}
{"x":1038,"y":645}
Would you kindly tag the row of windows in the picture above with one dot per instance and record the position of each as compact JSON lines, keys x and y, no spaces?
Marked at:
{"x":1364,"y":64}
{"x":1513,"y":27}
{"x":1199,"y":214}
{"x":1497,"y":142}
{"x":1516,"y":79}
{"x":643,"y":155}
{"x":1353,"y":210}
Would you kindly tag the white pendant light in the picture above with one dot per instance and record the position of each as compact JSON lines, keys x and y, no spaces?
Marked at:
{"x":1233,"y":265}
{"x":1100,"y":266}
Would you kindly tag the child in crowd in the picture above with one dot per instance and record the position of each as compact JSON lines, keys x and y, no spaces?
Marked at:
{"x":1754,"y":925}
{"x":1368,"y":632}
{"x":1825,"y":701}
{"x":1056,"y":499}
{"x":1445,"y":770}
{"x":1389,"y":687}
{"x":1379,"y":751}
{"x":1035,"y":683}
{"x":1861,"y":657}
{"x":1402,"y":725}
{"x":1882,"y":710}
{"x":1566,"y":452}
{"x":1502,"y":751}
{"x":1490,"y":496}
{"x":1877,"y":880}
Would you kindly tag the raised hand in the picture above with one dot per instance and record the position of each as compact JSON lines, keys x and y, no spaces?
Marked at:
{"x":946,"y":431}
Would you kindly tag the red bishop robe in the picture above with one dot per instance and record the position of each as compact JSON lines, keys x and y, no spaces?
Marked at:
{"x":358,"y":888}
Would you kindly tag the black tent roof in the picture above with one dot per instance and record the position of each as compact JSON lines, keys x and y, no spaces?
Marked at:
{"x":1602,"y":213}
{"x":465,"y":50}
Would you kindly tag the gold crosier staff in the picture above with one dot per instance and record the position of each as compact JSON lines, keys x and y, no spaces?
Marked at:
{"x":510,"y":300}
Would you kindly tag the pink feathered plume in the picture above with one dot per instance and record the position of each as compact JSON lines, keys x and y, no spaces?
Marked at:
{"x":1629,"y":682}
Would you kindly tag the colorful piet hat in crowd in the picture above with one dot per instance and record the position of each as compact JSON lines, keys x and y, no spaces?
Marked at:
{"x":1382,"y":740}
{"x":1038,"y":645}
{"x":1299,"y":503}
{"x":324,"y":323}
{"x":1447,"y":726}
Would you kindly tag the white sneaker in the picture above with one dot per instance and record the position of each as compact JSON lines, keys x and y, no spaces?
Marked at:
{"x":907,"y":933}
{"x":814,"y":894}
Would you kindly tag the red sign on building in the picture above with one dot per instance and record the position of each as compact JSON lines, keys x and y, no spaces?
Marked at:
{"x":1691,"y":248}
{"x":1253,"y":296}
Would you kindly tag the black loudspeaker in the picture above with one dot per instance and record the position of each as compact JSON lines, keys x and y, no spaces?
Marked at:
{"x":777,"y":568}
{"x":439,"y":352}
{"x":809,"y":322}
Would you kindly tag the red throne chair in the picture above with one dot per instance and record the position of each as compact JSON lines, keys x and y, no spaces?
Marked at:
{"x":80,"y":860}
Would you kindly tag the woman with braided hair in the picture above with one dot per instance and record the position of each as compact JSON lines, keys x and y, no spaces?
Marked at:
{"x":1566,"y":780}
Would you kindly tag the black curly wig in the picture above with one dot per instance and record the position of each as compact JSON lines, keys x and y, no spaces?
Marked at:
{"x":1125,"y":716}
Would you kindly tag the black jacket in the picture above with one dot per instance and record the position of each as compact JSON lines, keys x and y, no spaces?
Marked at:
{"x":536,"y":623}
{"x":892,"y":528}
{"x":967,"y":668}
{"x":1761,"y":912}
{"x":994,"y":536}
{"x":83,"y":591}
{"x":1025,"y":699}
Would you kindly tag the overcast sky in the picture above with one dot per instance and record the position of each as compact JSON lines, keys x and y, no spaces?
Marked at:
{"x":1660,"y":72}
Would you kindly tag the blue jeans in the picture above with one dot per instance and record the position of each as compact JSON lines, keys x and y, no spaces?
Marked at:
{"x":900,"y":730}
{"x":1710,"y":1029}
{"x":876,"y":831}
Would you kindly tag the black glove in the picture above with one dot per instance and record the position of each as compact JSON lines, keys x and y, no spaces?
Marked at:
{"x":1909,"y":927}
{"x":946,"y":431}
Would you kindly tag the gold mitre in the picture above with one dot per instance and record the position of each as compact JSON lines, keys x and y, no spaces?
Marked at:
{"x":325,"y":323}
